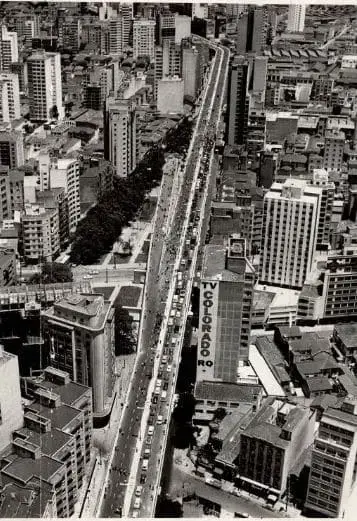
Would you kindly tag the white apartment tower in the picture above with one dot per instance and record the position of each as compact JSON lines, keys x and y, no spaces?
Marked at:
{"x":144,"y":38}
{"x":9,"y":97}
{"x":121,"y":143}
{"x":291,"y":215}
{"x":64,"y":173}
{"x":9,"y":52}
{"x":333,"y":463}
{"x":45,"y":85}
{"x":296,"y":18}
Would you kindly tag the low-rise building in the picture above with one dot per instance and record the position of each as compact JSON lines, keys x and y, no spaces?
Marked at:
{"x":272,"y":443}
{"x":7,"y":267}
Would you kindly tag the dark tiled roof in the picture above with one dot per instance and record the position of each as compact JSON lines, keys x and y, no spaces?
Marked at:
{"x":227,"y":392}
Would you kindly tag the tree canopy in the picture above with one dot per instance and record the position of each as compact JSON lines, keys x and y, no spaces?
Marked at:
{"x":99,"y":229}
{"x":125,"y":341}
{"x":52,"y":272}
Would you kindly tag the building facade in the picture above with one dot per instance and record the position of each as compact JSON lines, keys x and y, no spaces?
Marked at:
{"x":333,"y":463}
{"x":238,"y":101}
{"x":226,"y":296}
{"x":144,"y":38}
{"x":80,"y":331}
{"x":9,"y":52}
{"x":272,"y":443}
{"x":40,"y":233}
{"x":121,"y":140}
{"x":9,"y":97}
{"x":11,"y":414}
{"x":45,"y":86}
{"x":296,"y":18}
{"x":291,"y":214}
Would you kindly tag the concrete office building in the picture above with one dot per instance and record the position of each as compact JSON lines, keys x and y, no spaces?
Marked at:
{"x":320,"y":179}
{"x":45,"y":86}
{"x":9,"y":52}
{"x":11,"y":415}
{"x":333,"y":464}
{"x":80,"y":331}
{"x":251,"y":30}
{"x":64,"y":173}
{"x":226,"y":295}
{"x":40,"y":233}
{"x":291,"y":215}
{"x":51,"y":451}
{"x":334,"y":147}
{"x":238,"y":101}
{"x":11,"y":149}
{"x":144,"y":38}
{"x":296,"y":18}
{"x":9,"y":97}
{"x":272,"y":443}
{"x":120,"y":137}
{"x":170,"y":95}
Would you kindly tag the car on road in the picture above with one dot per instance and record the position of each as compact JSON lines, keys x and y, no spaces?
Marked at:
{"x":142,"y":479}
{"x":163,"y":396}
{"x":168,"y":368}
{"x":151,"y":430}
{"x":159,"y":419}
{"x":145,"y":464}
{"x":138,"y":490}
{"x":164,"y":359}
{"x":147,"y":452}
{"x":137,"y":503}
{"x":87,"y":277}
{"x":245,"y":515}
{"x":149,"y":440}
{"x":135,"y":513}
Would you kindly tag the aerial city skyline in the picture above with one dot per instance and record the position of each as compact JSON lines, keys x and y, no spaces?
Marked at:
{"x":178,"y":260}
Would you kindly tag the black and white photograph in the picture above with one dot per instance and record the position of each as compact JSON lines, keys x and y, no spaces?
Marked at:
{"x":178,"y":260}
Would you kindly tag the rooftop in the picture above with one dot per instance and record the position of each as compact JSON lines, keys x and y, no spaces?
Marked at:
{"x":228,"y":392}
{"x":348,"y":334}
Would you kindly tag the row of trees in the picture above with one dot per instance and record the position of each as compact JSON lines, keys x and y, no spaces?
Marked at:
{"x":97,"y":232}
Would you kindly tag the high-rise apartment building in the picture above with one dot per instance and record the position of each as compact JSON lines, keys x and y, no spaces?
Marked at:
{"x":26,"y":28}
{"x":80,"y":331}
{"x":173,"y":27}
{"x":51,"y":451}
{"x":238,"y":101}
{"x":333,"y":464}
{"x":11,"y":149}
{"x":296,"y":18}
{"x":10,"y":95}
{"x":11,"y":415}
{"x":9,"y":52}
{"x":45,"y":86}
{"x":40,"y":233}
{"x":168,"y":62}
{"x":272,"y":443}
{"x":116,"y":36}
{"x":226,"y":296}
{"x":120,"y":136}
{"x":291,"y":215}
{"x":144,"y":38}
{"x":334,"y":147}
{"x":69,"y":33}
{"x":251,"y":30}
{"x":64,"y":173}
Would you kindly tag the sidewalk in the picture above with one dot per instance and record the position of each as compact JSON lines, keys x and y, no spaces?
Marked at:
{"x":185,"y":464}
{"x":103,"y":440}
